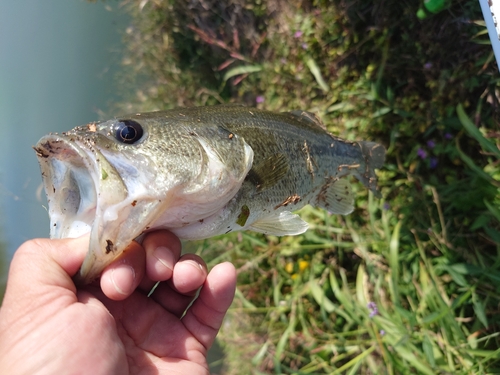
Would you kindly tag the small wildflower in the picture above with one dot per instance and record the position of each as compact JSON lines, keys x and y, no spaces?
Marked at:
{"x":259,"y":99}
{"x":433,"y":162}
{"x":372,"y":306}
{"x":422,"y":153}
{"x":448,"y":136}
{"x":431,"y":143}
{"x":303,"y":264}
{"x":427,"y":65}
{"x":304,"y":45}
{"x":298,"y":34}
{"x":382,"y":332}
{"x":387,"y":206}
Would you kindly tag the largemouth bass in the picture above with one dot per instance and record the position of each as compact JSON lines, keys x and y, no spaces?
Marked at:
{"x":198,"y":172}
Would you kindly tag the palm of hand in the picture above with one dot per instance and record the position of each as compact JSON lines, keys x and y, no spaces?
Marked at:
{"x":149,"y":338}
{"x":153,"y":335}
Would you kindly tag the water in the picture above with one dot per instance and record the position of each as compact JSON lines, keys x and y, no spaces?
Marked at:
{"x":58,"y":59}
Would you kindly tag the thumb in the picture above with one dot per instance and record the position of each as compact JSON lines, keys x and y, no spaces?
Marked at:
{"x":46,"y":262}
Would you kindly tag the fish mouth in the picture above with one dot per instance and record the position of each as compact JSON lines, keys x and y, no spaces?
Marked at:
{"x":81,"y":187}
{"x":68,"y":177}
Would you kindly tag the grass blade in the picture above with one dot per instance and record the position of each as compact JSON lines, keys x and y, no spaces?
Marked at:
{"x":394,"y":261}
{"x":479,"y":310}
{"x":355,"y":360}
{"x":319,"y":296}
{"x":467,"y":160}
{"x":244,"y":69}
{"x":475,"y":133}
{"x":494,"y":210}
{"x":314,"y":68}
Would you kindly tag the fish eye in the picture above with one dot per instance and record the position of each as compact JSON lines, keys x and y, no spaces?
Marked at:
{"x":128,"y":131}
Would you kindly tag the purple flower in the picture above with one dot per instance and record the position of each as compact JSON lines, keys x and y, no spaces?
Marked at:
{"x":431,"y":143}
{"x":427,"y":65}
{"x":372,"y":306}
{"x":382,"y":332}
{"x":387,"y":206}
{"x":259,"y":99}
{"x":304,"y":45}
{"x":433,"y":162}
{"x":422,"y":153}
{"x":298,"y":34}
{"x":448,"y":135}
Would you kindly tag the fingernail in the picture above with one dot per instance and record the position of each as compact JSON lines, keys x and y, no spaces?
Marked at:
{"x":194,"y":264}
{"x":164,"y":256}
{"x":123,"y":278}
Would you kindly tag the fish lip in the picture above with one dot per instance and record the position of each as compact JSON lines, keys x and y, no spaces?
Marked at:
{"x":69,"y":177}
{"x":81,"y":186}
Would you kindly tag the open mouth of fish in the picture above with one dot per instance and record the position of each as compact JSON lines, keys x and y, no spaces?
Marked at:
{"x":69,"y":178}
{"x":85,"y":194}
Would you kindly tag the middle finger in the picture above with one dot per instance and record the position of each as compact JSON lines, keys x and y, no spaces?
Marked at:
{"x":163,"y":249}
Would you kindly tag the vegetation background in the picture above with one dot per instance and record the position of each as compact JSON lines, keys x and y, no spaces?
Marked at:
{"x":409,"y":284}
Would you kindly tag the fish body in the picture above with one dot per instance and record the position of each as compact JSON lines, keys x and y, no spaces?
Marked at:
{"x":198,"y":172}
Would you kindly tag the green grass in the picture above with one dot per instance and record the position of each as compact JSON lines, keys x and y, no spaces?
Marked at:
{"x":427,"y":255}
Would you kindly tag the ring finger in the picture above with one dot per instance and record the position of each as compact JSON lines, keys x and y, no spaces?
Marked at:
{"x":175,"y":295}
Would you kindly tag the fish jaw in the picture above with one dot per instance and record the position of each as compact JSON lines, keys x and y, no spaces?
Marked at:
{"x":86,"y":194}
{"x":73,"y":179}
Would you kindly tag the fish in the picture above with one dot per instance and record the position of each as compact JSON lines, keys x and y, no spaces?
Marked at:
{"x":198,"y":172}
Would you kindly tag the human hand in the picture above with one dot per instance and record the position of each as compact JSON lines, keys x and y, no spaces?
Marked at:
{"x":48,"y":326}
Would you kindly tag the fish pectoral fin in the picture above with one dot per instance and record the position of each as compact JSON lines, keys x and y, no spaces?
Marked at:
{"x":268,"y":172}
{"x":282,"y":224}
{"x":336,"y":197}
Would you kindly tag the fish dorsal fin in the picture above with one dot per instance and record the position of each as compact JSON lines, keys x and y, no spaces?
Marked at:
{"x":336,"y":197}
{"x":280,"y":224}
{"x":268,"y":172}
{"x":309,"y":117}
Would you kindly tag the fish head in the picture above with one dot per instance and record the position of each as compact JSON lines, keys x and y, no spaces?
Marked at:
{"x":116,"y":179}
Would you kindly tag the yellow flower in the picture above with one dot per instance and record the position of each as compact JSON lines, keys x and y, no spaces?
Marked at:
{"x":303,"y":264}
